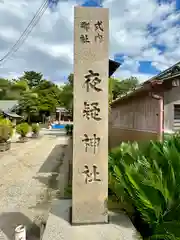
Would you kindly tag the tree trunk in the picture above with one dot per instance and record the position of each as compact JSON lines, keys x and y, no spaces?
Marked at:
{"x":29,"y":118}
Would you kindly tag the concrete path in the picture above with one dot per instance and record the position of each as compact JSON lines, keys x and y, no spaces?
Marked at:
{"x":26,"y":184}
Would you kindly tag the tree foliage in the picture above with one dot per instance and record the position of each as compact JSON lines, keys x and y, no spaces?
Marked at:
{"x":33,"y":78}
{"x":116,"y":89}
{"x":4,"y":87}
{"x":38,"y":96}
{"x":119,"y":88}
{"x":29,"y":104}
{"x":66,"y":95}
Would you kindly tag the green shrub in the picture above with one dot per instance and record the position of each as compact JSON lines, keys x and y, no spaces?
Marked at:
{"x":71,"y":129}
{"x":67,"y":128}
{"x":6,"y":130}
{"x":35,"y":128}
{"x":147,"y":177}
{"x":22,"y":129}
{"x":68,"y":191}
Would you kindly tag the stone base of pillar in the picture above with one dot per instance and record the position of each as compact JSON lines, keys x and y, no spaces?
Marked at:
{"x":58,"y":226}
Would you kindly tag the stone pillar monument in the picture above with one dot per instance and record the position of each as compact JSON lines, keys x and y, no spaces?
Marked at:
{"x":90,"y":140}
{"x":90,"y":134}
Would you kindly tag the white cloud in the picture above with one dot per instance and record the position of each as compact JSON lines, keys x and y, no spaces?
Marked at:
{"x":49,"y":48}
{"x":130,"y":67}
{"x":129,"y":63}
{"x":131,"y":33}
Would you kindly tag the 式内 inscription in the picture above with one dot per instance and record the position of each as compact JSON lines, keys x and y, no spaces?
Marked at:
{"x":99,"y":29}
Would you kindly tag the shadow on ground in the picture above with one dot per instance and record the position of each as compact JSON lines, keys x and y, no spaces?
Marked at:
{"x":49,"y":171}
{"x":53,"y":160}
{"x":48,"y":174}
{"x":9,"y":221}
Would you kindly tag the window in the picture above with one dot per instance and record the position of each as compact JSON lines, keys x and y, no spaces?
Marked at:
{"x":176,"y":125}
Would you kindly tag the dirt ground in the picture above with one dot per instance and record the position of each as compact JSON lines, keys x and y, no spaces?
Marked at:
{"x":28,"y":184}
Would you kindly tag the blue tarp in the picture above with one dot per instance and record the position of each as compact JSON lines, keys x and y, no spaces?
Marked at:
{"x":92,"y":3}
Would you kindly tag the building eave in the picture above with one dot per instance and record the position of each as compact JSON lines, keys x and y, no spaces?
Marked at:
{"x":131,"y":93}
{"x":149,"y":86}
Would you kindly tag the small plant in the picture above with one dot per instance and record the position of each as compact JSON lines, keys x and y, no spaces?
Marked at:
{"x":68,"y":191}
{"x":6,"y":130}
{"x":146,"y":177}
{"x":35,"y":129}
{"x":67,"y":128}
{"x":22,"y":129}
{"x":71,"y":129}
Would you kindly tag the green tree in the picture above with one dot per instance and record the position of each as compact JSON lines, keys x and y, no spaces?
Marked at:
{"x":4,"y":87}
{"x":116,"y":89}
{"x":17,"y":88}
{"x":49,"y":96}
{"x":44,"y":85}
{"x":37,"y":96}
{"x":119,"y":88}
{"x":71,"y":79}
{"x":20,"y":85}
{"x":66,"y":94}
{"x":8,"y":91}
{"x":33,"y":78}
{"x":29,"y":104}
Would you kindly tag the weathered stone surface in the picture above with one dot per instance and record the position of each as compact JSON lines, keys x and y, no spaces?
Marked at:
{"x":90,"y":139}
{"x":59,"y":228}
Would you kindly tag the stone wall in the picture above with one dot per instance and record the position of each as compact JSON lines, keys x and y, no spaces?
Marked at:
{"x":65,"y":170}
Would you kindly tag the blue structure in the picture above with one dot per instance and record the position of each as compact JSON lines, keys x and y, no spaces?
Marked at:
{"x":92,"y":3}
{"x":52,"y":4}
{"x":58,"y":126}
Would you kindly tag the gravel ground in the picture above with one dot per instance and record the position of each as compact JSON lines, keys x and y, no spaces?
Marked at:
{"x":28,"y":184}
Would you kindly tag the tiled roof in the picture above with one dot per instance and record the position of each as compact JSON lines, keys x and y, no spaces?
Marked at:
{"x":173,"y":71}
{"x":8,"y":105}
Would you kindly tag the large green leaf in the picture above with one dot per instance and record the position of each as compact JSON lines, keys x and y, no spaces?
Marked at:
{"x":148,"y":176}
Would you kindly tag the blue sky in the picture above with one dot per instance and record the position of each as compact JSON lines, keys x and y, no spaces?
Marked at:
{"x":145,"y":67}
{"x":144,"y":37}
{"x":178,"y":4}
